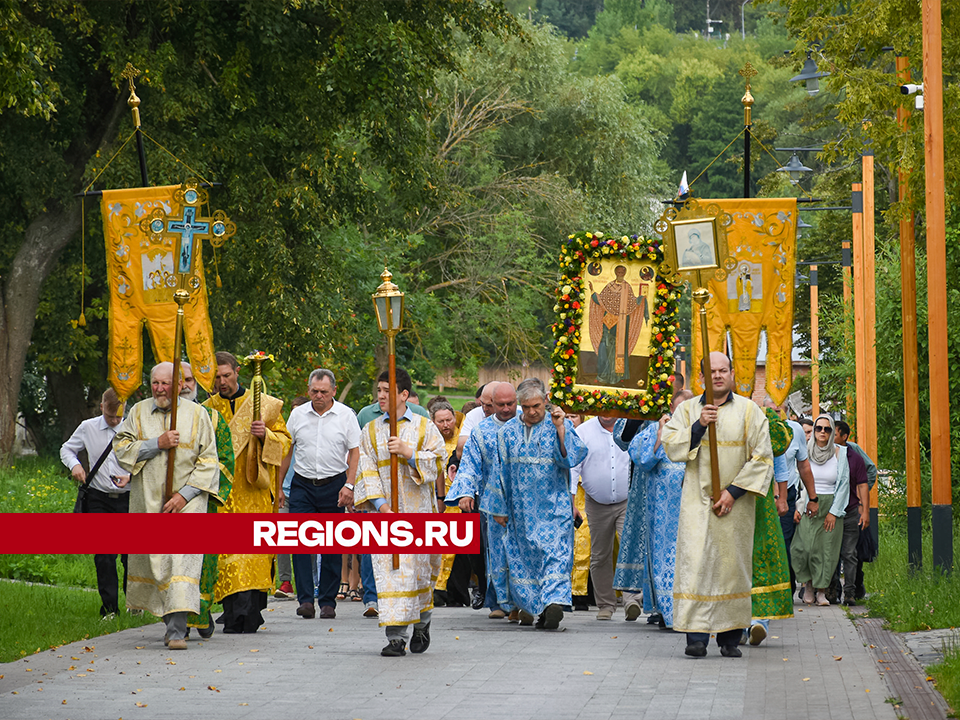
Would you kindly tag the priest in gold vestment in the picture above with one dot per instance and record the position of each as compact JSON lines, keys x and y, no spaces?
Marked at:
{"x":453,"y":583}
{"x":259,"y":447}
{"x":714,"y":572}
{"x":405,"y":595}
{"x":167,"y":586}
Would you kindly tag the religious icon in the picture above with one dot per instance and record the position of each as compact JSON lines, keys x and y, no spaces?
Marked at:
{"x":745,"y":288}
{"x":696,"y":245}
{"x":614,"y":350}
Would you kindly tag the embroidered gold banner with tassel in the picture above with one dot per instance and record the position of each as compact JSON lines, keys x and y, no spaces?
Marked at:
{"x":142,"y":273}
{"x":756,"y":295}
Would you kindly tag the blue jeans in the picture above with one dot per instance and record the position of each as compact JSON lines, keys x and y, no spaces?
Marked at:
{"x":305,"y":497}
{"x":789,"y":528}
{"x":367,"y":579}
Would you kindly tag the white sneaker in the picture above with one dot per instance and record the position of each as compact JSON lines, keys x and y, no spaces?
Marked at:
{"x":370,"y":610}
{"x":758,"y":633}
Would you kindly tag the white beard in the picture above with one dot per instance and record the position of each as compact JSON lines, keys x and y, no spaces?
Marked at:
{"x":190,"y":395}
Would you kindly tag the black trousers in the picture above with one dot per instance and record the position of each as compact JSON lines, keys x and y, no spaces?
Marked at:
{"x":724,"y":639}
{"x":305,"y":497}
{"x":106,"y":565}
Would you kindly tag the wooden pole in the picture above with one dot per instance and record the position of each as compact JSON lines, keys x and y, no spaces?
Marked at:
{"x":814,"y":342}
{"x":394,"y":460}
{"x":181,"y":297}
{"x":858,"y":309}
{"x":869,"y":406}
{"x":847,"y":261}
{"x":908,"y":313}
{"x":942,"y":515}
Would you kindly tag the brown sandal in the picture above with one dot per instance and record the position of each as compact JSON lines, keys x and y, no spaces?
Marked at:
{"x":354,"y":595}
{"x":342,"y":592}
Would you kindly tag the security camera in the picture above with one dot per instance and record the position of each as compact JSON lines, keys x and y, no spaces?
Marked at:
{"x":911,"y":89}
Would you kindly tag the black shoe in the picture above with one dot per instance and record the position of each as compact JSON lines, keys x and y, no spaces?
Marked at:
{"x":581,"y":608}
{"x":439,"y":600}
{"x":206,"y":632}
{"x":395,"y":648}
{"x":730,"y":651}
{"x":850,"y":601}
{"x":421,"y":639}
{"x":479,"y":597}
{"x":696,"y":649}
{"x":655,"y":619}
{"x":860,"y":594}
{"x":552,"y":616}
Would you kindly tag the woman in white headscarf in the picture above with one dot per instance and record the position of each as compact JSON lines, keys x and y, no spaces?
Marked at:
{"x":816,"y":546}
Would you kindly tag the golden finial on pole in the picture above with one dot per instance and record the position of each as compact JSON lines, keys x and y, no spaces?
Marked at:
{"x":747,"y":72}
{"x":130,"y":73}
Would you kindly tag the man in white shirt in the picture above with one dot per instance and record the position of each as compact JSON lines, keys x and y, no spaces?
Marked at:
{"x":327,"y":437}
{"x":605,"y":476}
{"x":103,"y":494}
{"x":477,"y":415}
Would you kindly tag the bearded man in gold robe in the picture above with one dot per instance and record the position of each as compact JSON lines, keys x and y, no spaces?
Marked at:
{"x":714,"y":572}
{"x":259,"y":446}
{"x":167,"y":586}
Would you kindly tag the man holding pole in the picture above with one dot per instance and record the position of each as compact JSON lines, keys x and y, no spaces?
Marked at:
{"x":404,"y":592}
{"x":167,"y":586}
{"x":713,"y":577}
{"x":259,"y":445}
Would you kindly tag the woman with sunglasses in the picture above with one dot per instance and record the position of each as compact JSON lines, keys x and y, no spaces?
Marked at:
{"x":816,"y":546}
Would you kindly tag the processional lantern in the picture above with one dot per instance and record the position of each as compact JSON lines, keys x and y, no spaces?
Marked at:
{"x":388,"y":304}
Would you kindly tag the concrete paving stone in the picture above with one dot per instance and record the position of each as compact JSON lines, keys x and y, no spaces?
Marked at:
{"x":493,"y":671}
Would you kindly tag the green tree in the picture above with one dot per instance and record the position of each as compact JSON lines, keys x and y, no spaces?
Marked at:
{"x":301,"y":108}
{"x":573,"y":18}
{"x":528,"y":150}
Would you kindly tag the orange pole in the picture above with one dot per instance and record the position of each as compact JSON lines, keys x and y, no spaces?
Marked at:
{"x":908,"y":313}
{"x":869,"y":405}
{"x":814,"y":342}
{"x":942,"y":511}
{"x":847,"y":262}
{"x":858,"y":310}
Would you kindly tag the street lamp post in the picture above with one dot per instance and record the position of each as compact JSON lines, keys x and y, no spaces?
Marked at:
{"x":388,"y":304}
{"x":810,"y":75}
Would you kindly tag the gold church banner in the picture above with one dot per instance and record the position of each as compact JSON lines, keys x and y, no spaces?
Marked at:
{"x":756,"y":294}
{"x":143,"y":276}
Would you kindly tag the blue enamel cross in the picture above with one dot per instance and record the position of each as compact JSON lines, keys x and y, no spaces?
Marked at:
{"x":188,"y":228}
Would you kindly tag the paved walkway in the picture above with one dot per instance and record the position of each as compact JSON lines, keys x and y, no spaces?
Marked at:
{"x":813,"y":667}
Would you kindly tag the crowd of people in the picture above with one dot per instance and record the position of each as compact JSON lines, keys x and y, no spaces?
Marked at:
{"x":628,"y":504}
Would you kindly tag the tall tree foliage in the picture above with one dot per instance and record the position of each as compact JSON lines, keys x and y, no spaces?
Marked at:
{"x":852,"y":42}
{"x":288,"y":104}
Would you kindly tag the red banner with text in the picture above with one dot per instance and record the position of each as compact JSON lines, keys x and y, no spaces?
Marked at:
{"x":202,"y":533}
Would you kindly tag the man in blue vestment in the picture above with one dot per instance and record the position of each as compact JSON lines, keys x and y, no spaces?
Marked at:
{"x":534,"y":504}
{"x":478,"y":471}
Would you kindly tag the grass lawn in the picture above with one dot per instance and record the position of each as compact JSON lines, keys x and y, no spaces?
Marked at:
{"x":58,"y":611}
{"x":40,"y":617}
{"x":946,"y":674}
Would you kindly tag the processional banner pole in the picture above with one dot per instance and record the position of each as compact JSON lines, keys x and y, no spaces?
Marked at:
{"x":700,"y":297}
